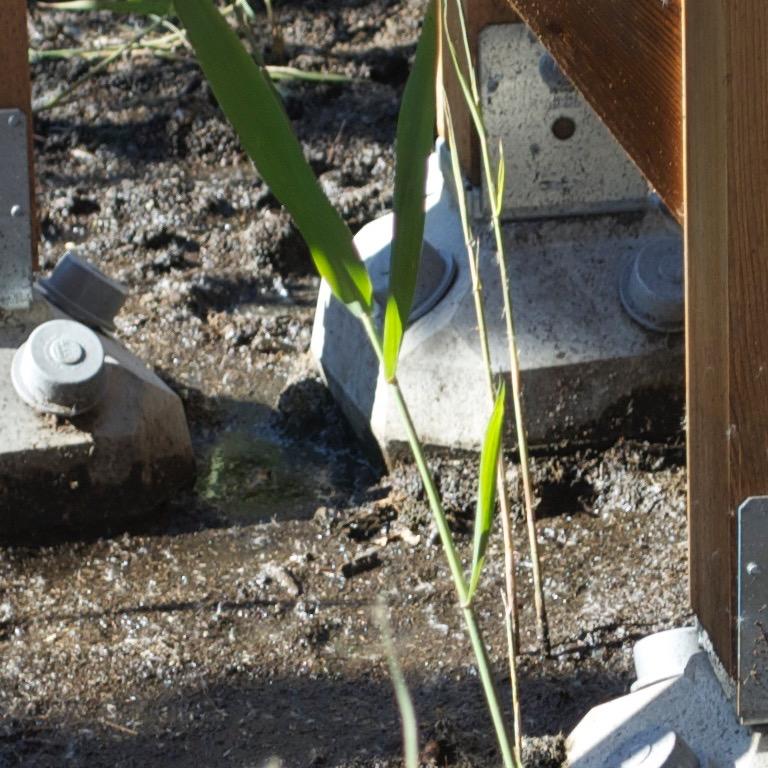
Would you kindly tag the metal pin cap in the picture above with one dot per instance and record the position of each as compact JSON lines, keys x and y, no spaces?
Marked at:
{"x":85,"y":293}
{"x":651,"y":286}
{"x":60,"y":368}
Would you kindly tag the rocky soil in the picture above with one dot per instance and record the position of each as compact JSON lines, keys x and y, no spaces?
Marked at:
{"x":232,"y":627}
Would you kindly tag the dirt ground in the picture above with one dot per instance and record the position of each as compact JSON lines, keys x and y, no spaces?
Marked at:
{"x":232,"y":627}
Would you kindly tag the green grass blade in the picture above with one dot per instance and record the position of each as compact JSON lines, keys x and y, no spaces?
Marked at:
{"x":464,"y":37}
{"x":247,"y":10}
{"x":500,"y":180}
{"x":472,"y":103}
{"x":394,"y":330}
{"x":402,"y":695}
{"x":486,"y":492}
{"x":415,"y":138}
{"x":158,"y":7}
{"x":292,"y":73}
{"x":248,"y":99}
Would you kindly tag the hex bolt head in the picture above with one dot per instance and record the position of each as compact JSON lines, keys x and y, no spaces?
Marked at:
{"x":651,"y":285}
{"x":16,"y":211}
{"x":753,"y":569}
{"x":60,"y":368}
{"x":13,"y":120}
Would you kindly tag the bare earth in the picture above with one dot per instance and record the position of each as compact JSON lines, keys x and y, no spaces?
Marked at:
{"x":233,"y":624}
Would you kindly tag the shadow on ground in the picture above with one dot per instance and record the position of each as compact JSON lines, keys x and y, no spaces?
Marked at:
{"x":301,"y":721}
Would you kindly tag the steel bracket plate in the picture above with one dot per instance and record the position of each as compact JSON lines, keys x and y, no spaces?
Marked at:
{"x":526,"y":104}
{"x":15,"y":214}
{"x":752,"y":629}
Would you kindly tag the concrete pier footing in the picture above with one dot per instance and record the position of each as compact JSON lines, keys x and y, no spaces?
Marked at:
{"x":590,"y":372}
{"x":678,"y":717}
{"x":114,"y":462}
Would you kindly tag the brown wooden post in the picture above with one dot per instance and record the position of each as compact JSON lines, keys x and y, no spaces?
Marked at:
{"x":726,"y":189}
{"x":14,"y":77}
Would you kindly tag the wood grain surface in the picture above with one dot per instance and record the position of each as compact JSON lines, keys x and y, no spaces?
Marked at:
{"x":711,"y":527}
{"x":726,"y":169}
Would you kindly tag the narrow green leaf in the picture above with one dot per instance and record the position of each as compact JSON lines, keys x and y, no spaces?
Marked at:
{"x":246,"y":95}
{"x":486,"y":492}
{"x":402,"y":694}
{"x":157,"y":7}
{"x":500,"y":179}
{"x":393,"y":337}
{"x":415,"y":138}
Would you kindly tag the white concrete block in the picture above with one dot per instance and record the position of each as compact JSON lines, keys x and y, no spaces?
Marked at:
{"x":582,"y":356}
{"x":117,"y":461}
{"x":692,"y":705}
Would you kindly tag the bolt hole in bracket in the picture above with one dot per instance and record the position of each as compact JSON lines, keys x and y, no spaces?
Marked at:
{"x":15,"y":218}
{"x":752,"y":629}
{"x":563,"y":128}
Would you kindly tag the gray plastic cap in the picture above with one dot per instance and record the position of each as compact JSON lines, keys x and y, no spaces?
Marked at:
{"x":664,"y":654}
{"x":85,"y":293}
{"x":60,"y":368}
{"x":651,"y":286}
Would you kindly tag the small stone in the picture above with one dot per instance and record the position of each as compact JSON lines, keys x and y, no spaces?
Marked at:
{"x":282,"y":577}
{"x":365,"y":561}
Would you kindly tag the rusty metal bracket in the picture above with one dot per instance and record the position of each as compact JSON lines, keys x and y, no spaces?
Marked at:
{"x":752,"y":630}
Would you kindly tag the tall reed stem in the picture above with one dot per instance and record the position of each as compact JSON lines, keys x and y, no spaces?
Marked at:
{"x":542,"y":623}
{"x":471,"y":95}
{"x":511,"y":619}
{"x":452,"y":555}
